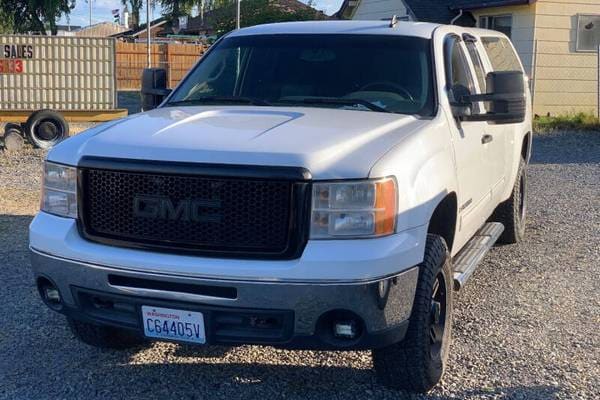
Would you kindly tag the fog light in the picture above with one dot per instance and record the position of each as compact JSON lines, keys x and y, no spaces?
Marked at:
{"x":52,"y":295}
{"x":345,"y":329}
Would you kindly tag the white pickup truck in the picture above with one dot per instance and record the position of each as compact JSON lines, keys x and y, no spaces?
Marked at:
{"x":315,"y":185}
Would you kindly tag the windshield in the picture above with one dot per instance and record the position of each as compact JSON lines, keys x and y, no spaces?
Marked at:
{"x":380,"y":73}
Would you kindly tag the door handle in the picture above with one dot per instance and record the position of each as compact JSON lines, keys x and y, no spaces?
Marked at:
{"x":486,"y":138}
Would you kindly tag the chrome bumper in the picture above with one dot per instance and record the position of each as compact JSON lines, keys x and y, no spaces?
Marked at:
{"x":382,"y":305}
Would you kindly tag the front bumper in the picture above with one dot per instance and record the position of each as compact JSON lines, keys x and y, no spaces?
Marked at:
{"x":321,"y":261}
{"x":299,"y":315}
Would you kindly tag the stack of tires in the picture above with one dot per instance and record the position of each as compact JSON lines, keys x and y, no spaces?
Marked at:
{"x":43,"y":129}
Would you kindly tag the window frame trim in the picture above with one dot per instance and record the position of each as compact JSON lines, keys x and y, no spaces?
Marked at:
{"x":577,"y":49}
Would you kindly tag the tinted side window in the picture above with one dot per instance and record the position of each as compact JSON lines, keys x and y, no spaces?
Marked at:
{"x":501,"y":54}
{"x":459,"y":74}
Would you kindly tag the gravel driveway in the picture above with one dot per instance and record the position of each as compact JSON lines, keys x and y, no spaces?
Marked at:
{"x":527,"y":326}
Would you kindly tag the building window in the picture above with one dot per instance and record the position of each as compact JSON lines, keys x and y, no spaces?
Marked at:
{"x":501,"y":23}
{"x":588,"y":32}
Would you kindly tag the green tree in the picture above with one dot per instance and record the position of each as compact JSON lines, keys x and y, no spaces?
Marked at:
{"x":173,"y":9}
{"x":6,"y":21}
{"x":34,"y":15}
{"x":254,"y":12}
{"x":134,"y":6}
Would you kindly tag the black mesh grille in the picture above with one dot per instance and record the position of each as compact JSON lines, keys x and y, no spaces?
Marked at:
{"x":171,"y":211}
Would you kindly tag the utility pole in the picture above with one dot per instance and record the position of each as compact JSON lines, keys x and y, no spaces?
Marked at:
{"x":237,"y":20}
{"x":148,"y":33}
{"x":90,"y":2}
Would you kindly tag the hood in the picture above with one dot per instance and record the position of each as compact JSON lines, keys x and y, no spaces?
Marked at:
{"x":332,"y":144}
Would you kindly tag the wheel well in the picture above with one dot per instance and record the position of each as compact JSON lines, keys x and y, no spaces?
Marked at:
{"x":443,"y":219}
{"x":525,"y":146}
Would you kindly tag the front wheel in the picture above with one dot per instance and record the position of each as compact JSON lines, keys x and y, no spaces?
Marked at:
{"x":417,"y":363}
{"x":512,"y":212}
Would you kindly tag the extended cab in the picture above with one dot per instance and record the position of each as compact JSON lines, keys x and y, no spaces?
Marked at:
{"x":317,"y":185}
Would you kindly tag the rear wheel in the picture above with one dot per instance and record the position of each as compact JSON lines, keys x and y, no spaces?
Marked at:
{"x":513,"y":212}
{"x":104,"y":336}
{"x":417,"y":363}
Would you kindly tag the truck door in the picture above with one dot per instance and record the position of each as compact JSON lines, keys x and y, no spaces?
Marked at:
{"x":496,"y":136}
{"x":469,"y":139}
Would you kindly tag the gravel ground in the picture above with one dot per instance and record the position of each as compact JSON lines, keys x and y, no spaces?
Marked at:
{"x":527,"y":326}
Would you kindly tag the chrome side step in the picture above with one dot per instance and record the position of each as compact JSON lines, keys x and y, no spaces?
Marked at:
{"x":467,"y":260}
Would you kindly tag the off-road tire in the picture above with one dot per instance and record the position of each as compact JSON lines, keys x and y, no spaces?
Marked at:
{"x":106,"y":337}
{"x":410,"y":364}
{"x":45,"y":128}
{"x":512,"y":212}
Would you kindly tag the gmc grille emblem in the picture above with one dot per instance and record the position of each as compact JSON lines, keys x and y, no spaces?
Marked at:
{"x":160,"y":207}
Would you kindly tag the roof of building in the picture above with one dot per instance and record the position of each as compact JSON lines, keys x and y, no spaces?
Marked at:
{"x":68,"y":28}
{"x":402,"y":28}
{"x":102,"y":29}
{"x":157,"y":23}
{"x":441,"y":11}
{"x":476,"y":4}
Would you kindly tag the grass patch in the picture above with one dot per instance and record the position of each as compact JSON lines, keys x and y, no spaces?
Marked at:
{"x":578,"y":122}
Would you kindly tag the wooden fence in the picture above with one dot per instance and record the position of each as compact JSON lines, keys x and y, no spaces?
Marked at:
{"x":132,"y":58}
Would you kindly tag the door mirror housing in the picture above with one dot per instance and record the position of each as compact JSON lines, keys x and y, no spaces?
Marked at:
{"x":461,"y":107}
{"x":154,"y":87}
{"x":506,"y":96}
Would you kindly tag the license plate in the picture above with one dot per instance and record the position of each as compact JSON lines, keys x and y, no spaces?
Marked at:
{"x":166,"y":323}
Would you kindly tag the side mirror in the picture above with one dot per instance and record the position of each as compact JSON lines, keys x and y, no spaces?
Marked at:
{"x":154,"y":87}
{"x":506,"y":96}
{"x":462,"y":108}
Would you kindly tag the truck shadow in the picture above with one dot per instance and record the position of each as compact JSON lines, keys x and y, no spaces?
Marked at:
{"x":516,"y":392}
{"x":45,"y":352}
{"x":254,"y":380}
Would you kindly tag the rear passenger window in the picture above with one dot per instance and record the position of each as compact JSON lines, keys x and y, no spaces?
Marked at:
{"x":501,"y":54}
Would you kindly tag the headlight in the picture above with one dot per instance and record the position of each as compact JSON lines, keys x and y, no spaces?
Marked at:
{"x":59,"y":190}
{"x":353,"y":209}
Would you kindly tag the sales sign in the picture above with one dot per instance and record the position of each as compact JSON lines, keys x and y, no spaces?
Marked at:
{"x":13,"y":56}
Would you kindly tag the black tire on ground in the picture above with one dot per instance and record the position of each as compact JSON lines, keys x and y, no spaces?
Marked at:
{"x":13,"y":139}
{"x":417,"y":363}
{"x":104,"y":336}
{"x":45,"y":128}
{"x":513,"y":212}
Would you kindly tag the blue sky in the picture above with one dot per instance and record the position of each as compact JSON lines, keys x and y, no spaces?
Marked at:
{"x":101,"y":10}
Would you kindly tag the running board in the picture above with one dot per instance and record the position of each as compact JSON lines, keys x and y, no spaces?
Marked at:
{"x":467,"y":260}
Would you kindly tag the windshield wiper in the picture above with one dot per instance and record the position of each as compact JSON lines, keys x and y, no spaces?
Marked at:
{"x":220,"y":99}
{"x":337,"y":101}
